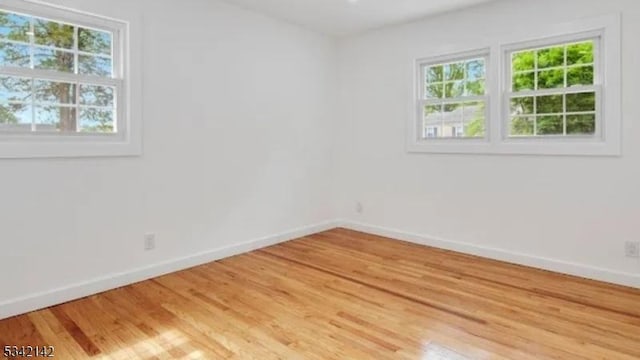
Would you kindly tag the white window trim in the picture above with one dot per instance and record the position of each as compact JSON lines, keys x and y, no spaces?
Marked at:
{"x":128,"y":140}
{"x":609,"y":139}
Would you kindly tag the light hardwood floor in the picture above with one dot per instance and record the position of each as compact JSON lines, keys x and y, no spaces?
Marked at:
{"x":344,"y":295}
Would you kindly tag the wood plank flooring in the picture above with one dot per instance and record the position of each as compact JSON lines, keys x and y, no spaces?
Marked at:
{"x":344,"y":295}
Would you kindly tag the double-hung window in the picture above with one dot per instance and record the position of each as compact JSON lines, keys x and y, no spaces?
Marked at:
{"x":452,"y":98}
{"x":553,"y":91}
{"x":546,"y":90}
{"x":62,"y":81}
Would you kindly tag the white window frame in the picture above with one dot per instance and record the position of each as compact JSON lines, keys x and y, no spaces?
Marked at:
{"x":608,"y":139}
{"x":126,"y":141}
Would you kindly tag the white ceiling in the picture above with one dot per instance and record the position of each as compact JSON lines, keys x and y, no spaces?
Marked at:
{"x":344,"y":17}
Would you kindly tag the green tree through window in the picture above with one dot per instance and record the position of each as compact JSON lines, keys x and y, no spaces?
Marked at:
{"x":559,"y":67}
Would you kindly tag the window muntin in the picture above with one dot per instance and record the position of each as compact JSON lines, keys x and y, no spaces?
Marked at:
{"x":453,"y":99}
{"x":553,"y":91}
{"x":56,"y":77}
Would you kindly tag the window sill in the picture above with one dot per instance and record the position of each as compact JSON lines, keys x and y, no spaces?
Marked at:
{"x":519,"y":147}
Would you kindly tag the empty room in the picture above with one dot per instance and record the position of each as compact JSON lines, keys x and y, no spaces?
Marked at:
{"x":319,"y":179}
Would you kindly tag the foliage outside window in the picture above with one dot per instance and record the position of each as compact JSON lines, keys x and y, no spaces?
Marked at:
{"x":454,"y":99}
{"x":56,"y":77}
{"x":552,"y":91}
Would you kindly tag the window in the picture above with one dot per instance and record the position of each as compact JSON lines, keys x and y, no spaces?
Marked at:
{"x":453,"y":98}
{"x":553,"y":90}
{"x":559,"y":94}
{"x":62,"y":80}
{"x":55,"y":77}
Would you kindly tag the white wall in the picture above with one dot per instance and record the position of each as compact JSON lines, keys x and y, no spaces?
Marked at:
{"x":238,"y":126}
{"x":567,"y":209}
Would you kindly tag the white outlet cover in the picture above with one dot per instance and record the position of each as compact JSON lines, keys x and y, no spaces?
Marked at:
{"x":149,"y":241}
{"x":632,"y":249}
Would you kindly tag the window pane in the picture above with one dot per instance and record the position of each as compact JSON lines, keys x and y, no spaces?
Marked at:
{"x":475,"y":88}
{"x":432,"y":120}
{"x":14,"y":27}
{"x":550,"y":125}
{"x":56,"y":60}
{"x":454,"y":71}
{"x":449,"y":108}
{"x":96,"y":120}
{"x":451,"y":118}
{"x":32,"y":104}
{"x":50,"y":33}
{"x":524,"y":81}
{"x":475,"y":70}
{"x":94,"y":41}
{"x":95,"y":65}
{"x":555,"y":67}
{"x":523,"y":61}
{"x":14,"y":55}
{"x":474,"y":119}
{"x":551,"y":57}
{"x":15,"y":117}
{"x":581,"y":75}
{"x":522,"y":105}
{"x":55,"y":118}
{"x":581,"y":124}
{"x":452,"y":80}
{"x":453,"y":89}
{"x":522,"y":126}
{"x":95,"y":95}
{"x":14,"y":89}
{"x":549,"y":104}
{"x":54,"y":92}
{"x":580,"y":53}
{"x":581,"y":102}
{"x":432,"y":114}
{"x":435,"y":91}
{"x":435,"y":74}
{"x":551,"y":79}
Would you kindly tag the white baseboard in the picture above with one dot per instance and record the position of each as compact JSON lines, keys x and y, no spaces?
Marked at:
{"x":45,"y":299}
{"x":581,"y":270}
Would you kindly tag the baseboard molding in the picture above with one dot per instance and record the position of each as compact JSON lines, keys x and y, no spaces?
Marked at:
{"x":45,"y":299}
{"x":581,"y":270}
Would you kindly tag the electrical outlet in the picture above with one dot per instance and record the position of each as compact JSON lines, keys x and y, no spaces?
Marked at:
{"x":632,"y":249}
{"x":149,"y":241}
{"x":359,"y":208}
